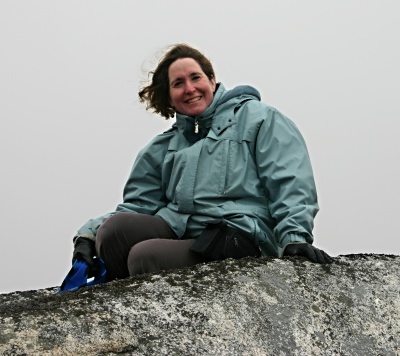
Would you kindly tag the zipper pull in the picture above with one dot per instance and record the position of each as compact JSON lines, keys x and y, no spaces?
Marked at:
{"x":196,"y":127}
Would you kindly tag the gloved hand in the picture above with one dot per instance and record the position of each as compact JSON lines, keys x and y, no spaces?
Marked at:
{"x":85,"y":251}
{"x":310,"y":252}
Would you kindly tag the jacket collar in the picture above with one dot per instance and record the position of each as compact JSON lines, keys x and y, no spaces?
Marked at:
{"x":223,"y":99}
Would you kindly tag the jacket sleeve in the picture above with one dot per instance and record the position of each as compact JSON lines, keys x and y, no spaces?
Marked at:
{"x":143,"y":192}
{"x":286,"y":173}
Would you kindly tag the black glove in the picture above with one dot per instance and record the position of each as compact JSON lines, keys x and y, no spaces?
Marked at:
{"x":85,"y":251}
{"x":310,"y":252}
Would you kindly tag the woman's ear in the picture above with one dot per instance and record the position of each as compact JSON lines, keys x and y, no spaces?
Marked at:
{"x":169,"y":101}
{"x":214,"y":84}
{"x":170,"y":104}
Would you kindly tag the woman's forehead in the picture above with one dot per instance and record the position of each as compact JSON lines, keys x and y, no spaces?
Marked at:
{"x":183,"y":67}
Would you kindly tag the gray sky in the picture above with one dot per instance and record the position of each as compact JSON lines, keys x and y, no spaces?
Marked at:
{"x":71,"y":124}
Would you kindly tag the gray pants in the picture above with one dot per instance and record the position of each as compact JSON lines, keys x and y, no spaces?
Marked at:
{"x":132,"y":244}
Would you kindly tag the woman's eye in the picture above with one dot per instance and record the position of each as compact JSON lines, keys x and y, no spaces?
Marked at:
{"x":176,"y":84}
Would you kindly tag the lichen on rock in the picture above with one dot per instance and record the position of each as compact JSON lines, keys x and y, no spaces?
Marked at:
{"x":252,"y":306}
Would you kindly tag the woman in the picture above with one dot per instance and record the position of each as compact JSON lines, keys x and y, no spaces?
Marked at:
{"x":228,"y":157}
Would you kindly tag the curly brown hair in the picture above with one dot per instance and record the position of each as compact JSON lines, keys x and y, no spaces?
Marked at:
{"x":156,"y":94}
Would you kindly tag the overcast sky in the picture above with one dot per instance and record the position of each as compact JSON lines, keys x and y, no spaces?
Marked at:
{"x":71,"y":124}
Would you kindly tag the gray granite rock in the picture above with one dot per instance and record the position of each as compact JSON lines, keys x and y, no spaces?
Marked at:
{"x":236,"y":307}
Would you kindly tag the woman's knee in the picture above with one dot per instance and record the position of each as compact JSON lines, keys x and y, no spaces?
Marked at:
{"x":108,"y":229}
{"x":155,"y":255}
{"x":112,"y":234}
{"x":142,"y":258}
{"x":133,"y":226}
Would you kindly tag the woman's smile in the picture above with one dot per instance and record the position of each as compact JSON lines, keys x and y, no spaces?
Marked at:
{"x":194,"y":99}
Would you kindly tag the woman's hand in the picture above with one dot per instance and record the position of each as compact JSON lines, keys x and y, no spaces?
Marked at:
{"x":85,"y":251}
{"x":310,"y":252}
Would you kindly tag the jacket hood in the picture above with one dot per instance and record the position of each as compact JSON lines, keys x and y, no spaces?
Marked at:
{"x":239,"y":91}
{"x":186,"y":124}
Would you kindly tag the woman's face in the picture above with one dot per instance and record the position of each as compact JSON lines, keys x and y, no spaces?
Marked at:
{"x":190,"y":90}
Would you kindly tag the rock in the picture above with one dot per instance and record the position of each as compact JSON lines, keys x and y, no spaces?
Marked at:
{"x":251,"y":306}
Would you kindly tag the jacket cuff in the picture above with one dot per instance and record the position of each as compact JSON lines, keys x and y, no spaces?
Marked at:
{"x":291,"y":238}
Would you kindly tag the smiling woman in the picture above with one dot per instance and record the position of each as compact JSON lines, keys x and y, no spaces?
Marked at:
{"x":231,"y":178}
{"x":191,"y":92}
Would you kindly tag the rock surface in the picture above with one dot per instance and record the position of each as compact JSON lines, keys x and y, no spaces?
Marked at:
{"x":251,"y":306}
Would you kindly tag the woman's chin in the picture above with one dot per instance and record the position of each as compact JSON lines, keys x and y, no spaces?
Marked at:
{"x":194,"y":111}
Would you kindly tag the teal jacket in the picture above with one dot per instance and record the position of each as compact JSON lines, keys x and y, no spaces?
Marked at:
{"x":247,"y":165}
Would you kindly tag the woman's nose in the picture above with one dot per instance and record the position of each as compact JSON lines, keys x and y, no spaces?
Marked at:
{"x":189,"y":87}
